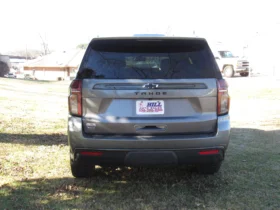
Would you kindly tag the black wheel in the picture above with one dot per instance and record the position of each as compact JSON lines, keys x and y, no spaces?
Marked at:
{"x":81,"y":170}
{"x":228,"y":71}
{"x":209,"y":168}
{"x":244,"y":74}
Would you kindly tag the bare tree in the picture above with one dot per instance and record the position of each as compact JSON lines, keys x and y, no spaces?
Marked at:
{"x":29,"y":54}
{"x":168,"y":31}
{"x":45,"y":45}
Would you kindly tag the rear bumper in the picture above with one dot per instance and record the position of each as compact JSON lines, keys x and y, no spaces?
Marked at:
{"x":116,"y":147}
{"x":148,"y":157}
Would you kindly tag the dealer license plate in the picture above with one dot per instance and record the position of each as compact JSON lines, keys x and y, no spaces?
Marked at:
{"x":145,"y":107}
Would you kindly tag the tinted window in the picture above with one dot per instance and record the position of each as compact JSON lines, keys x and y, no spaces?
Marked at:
{"x":148,"y":59}
{"x":226,"y":54}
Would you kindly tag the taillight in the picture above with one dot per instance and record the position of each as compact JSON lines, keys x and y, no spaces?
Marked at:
{"x":88,"y":153}
{"x":209,"y":152}
{"x":223,"y":97}
{"x":75,"y":98}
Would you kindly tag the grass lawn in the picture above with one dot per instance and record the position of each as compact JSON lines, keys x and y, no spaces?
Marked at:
{"x":34,"y":158}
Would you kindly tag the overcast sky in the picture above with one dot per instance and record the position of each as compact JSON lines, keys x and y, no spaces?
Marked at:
{"x":65,"y":24}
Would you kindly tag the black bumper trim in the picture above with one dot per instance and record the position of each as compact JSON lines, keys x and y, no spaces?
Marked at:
{"x":148,"y":157}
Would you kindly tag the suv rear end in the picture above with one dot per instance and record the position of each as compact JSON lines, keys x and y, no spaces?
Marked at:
{"x":148,"y":101}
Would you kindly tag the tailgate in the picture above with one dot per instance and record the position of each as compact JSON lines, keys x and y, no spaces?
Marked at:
{"x":158,"y":106}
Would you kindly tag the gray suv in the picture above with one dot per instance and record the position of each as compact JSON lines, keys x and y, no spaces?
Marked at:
{"x":145,"y":101}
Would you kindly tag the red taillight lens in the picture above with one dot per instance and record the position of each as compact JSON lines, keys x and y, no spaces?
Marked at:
{"x":75,"y":98}
{"x":91,"y":153}
{"x":209,"y":152}
{"x":223,"y":97}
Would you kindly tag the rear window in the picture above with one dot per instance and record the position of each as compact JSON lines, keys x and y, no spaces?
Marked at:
{"x":148,"y":59}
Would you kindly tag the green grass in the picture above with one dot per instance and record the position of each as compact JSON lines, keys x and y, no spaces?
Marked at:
{"x":34,"y":159}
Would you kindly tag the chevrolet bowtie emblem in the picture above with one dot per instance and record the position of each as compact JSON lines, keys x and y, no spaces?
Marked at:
{"x":150,"y":86}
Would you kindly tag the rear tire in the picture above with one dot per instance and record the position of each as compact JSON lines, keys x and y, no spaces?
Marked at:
{"x":81,"y":170}
{"x":244,"y":74}
{"x":228,"y":71}
{"x":209,"y":168}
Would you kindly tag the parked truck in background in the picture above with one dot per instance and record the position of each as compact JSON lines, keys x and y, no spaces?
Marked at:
{"x":230,"y":65}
